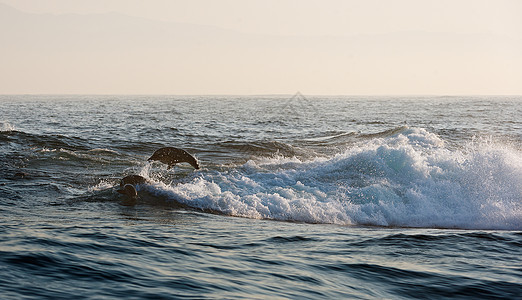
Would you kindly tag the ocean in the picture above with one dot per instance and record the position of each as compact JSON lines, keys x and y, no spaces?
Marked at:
{"x":297,"y":197}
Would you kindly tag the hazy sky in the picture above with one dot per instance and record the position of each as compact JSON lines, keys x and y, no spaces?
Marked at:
{"x":265,"y":47}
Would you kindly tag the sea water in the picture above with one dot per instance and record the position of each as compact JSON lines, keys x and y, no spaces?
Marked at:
{"x":300,"y":197}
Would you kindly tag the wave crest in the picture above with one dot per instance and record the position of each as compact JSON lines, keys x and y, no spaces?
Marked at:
{"x":407,"y":178}
{"x":6,"y":127}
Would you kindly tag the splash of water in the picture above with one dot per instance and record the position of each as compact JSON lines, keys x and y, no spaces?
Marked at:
{"x":6,"y":127}
{"x":408,"y":179}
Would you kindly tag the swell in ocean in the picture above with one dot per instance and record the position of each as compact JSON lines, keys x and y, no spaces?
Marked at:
{"x":426,"y":193}
{"x":403,"y":177}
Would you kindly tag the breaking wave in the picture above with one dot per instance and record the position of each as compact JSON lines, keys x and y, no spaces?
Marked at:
{"x":405,"y":178}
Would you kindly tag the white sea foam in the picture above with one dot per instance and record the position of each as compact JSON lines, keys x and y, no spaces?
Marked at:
{"x":408,"y":179}
{"x":101,"y":186}
{"x":6,"y":126}
{"x":103,"y":150}
{"x":98,"y":155}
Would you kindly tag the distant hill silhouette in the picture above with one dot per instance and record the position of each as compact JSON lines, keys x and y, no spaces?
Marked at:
{"x":111,"y":52}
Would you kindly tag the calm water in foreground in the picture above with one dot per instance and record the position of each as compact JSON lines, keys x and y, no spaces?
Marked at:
{"x":300,"y":198}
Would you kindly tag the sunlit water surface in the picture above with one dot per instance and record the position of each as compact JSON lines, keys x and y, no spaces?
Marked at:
{"x":298,"y":197}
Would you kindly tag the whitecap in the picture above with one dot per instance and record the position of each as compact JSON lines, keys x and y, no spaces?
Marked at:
{"x":6,"y":126}
{"x":410,"y":179}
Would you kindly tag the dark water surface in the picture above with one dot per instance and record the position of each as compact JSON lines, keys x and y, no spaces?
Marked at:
{"x":301,"y":198}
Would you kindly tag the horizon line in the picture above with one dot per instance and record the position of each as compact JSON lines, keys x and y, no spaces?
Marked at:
{"x":252,"y":95}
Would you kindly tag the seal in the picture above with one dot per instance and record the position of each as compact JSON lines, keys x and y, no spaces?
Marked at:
{"x":128,"y":188}
{"x":171,"y":156}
